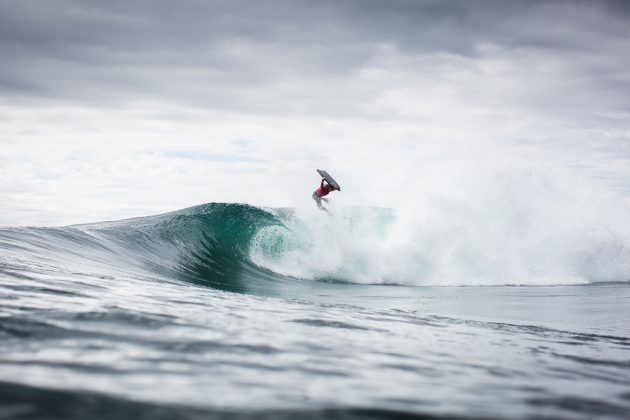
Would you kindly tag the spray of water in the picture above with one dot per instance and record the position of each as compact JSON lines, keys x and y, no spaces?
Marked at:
{"x":471,"y":226}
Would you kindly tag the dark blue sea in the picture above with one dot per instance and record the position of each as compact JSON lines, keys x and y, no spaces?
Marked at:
{"x":238,"y":312}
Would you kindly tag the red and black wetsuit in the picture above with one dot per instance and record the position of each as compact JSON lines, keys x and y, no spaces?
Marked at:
{"x":324,"y":189}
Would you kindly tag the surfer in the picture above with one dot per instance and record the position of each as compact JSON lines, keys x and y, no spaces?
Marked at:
{"x":324,"y":189}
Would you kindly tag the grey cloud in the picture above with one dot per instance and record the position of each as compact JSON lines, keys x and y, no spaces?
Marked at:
{"x":272,"y":56}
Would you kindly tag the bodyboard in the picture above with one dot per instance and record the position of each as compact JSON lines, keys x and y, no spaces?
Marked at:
{"x":329,"y":179}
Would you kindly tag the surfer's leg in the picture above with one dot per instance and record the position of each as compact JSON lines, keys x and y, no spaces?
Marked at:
{"x":318,"y":200}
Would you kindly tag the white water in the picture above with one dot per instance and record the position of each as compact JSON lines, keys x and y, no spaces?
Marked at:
{"x":474,"y":226}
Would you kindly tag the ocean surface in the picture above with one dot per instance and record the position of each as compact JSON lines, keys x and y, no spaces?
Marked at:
{"x":233,"y":311}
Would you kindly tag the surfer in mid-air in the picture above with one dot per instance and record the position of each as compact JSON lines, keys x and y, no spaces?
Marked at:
{"x":327,"y":185}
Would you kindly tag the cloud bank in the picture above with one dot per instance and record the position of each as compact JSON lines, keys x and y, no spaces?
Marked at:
{"x":117,"y":109}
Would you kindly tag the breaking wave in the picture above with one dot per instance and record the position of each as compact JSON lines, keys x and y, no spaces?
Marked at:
{"x":241,"y":248}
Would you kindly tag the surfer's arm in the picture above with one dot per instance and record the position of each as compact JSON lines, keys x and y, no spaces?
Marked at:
{"x":322,"y":183}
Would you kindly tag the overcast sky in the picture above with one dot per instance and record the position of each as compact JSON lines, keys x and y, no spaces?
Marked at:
{"x":113,"y":109}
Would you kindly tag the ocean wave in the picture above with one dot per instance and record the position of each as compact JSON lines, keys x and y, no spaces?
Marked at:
{"x":247,"y":249}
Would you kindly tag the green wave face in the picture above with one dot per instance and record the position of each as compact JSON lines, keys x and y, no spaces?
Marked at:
{"x":239,"y":248}
{"x":207,"y":245}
